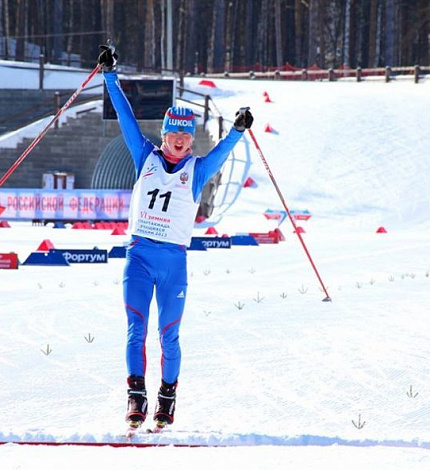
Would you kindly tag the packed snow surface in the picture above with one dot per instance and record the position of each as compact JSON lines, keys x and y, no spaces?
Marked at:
{"x":272,"y":377}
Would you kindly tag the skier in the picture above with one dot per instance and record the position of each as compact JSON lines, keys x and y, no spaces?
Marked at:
{"x":163,"y":207}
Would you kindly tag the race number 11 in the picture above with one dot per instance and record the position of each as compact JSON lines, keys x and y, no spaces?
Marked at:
{"x":154,"y":194}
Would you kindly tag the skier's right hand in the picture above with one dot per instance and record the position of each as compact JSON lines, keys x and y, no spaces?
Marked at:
{"x":107,"y":58}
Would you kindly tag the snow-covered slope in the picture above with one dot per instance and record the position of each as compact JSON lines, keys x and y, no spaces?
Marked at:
{"x":350,"y":152}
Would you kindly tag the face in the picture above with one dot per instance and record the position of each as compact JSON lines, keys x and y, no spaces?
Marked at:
{"x":178,"y":142}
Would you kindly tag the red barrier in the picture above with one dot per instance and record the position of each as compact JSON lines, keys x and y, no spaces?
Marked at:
{"x":111,"y":444}
{"x":269,"y":237}
{"x":8,"y":261}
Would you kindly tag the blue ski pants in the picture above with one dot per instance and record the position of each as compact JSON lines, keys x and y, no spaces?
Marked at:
{"x":160,"y":267}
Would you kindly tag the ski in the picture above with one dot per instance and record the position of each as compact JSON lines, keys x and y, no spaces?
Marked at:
{"x":135,"y":428}
{"x":159,"y":427}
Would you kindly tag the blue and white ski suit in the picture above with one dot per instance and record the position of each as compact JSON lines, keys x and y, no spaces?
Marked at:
{"x":162,"y":212}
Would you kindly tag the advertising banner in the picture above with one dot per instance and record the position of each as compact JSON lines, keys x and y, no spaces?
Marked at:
{"x":72,"y":204}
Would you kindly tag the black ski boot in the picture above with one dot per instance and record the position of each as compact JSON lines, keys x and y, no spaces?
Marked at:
{"x":137,"y":407}
{"x":165,"y":409}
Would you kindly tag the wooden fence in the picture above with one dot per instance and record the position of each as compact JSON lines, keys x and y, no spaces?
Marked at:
{"x":313,"y":74}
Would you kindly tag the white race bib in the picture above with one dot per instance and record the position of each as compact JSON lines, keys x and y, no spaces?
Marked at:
{"x":162,"y":206}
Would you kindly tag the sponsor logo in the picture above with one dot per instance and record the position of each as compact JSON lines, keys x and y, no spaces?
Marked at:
{"x":216,"y":242}
{"x":150,"y":170}
{"x":179,"y":122}
{"x":181,"y":295}
{"x":85,"y":256}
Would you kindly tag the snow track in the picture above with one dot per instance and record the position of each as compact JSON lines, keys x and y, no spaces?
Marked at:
{"x":267,"y":367}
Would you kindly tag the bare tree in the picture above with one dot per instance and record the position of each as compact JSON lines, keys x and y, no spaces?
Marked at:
{"x":231,"y":25}
{"x":2,"y":18}
{"x":389,"y":33}
{"x":372,"y":31}
{"x":314,"y":40}
{"x":226,"y":34}
{"x":217,"y":44}
{"x":58,"y":29}
{"x":377,"y":60}
{"x":191,"y":39}
{"x":181,"y":35}
{"x":262,"y":33}
{"x":320,"y":58}
{"x":68,"y":27}
{"x":20,"y":29}
{"x":211,"y":49}
{"x":107,"y":18}
{"x":278,"y":34}
{"x":249,"y":34}
{"x":301,"y":27}
{"x":346,"y":36}
{"x":145,"y":50}
{"x":423,"y":56}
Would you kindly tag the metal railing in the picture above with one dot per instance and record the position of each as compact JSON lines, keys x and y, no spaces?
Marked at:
{"x":38,"y":111}
{"x":209,"y":108}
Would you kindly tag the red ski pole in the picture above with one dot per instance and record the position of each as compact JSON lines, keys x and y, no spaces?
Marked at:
{"x":266,"y":165}
{"x":43,"y":133}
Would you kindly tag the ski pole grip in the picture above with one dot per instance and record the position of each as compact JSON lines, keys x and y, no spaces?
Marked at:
{"x":111,"y":46}
{"x":244,"y":110}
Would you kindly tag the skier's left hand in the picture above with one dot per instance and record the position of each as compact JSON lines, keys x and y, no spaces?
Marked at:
{"x":244,"y":120}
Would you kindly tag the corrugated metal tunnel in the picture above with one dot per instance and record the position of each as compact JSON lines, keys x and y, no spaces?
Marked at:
{"x":115,"y":168}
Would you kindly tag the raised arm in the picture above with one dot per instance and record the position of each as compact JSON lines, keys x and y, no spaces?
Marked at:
{"x":137,"y":144}
{"x":210,"y":164}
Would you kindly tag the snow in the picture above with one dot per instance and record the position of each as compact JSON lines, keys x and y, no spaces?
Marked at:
{"x":272,"y":377}
{"x":16,"y":75}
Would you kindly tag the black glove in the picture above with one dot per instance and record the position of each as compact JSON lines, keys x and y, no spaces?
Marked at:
{"x":244,"y":120}
{"x":107,"y":58}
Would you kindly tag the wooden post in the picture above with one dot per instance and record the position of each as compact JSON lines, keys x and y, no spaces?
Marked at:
{"x":416,"y":73}
{"x":206,"y":113}
{"x":220,"y":127}
{"x":387,"y":73}
{"x":41,"y":70}
{"x":57,"y":106}
{"x":181,"y":82}
{"x":358,"y":74}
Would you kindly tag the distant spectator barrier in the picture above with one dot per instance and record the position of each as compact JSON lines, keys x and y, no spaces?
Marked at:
{"x":314,"y":73}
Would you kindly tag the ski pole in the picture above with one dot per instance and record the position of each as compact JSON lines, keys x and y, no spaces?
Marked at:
{"x":266,"y":165}
{"x":43,"y":133}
